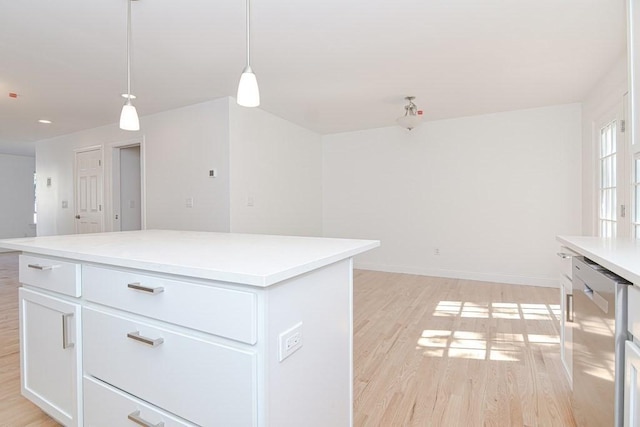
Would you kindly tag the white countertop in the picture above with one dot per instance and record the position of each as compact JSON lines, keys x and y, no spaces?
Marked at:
{"x":620,"y":255}
{"x":252,"y":259}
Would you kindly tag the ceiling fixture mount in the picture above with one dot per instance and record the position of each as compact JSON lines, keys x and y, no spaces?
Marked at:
{"x":129,"y":116}
{"x":412,"y":116}
{"x":248,"y":92}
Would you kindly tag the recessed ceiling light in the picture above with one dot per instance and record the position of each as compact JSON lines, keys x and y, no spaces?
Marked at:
{"x":124,"y":95}
{"x":46,"y":122}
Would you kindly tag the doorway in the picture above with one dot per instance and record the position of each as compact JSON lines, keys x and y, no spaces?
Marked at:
{"x":127,"y":184}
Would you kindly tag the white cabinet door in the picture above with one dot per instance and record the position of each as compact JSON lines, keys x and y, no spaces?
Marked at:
{"x":632,"y":385}
{"x":566,"y":313}
{"x":566,"y":329}
{"x":49,"y":350}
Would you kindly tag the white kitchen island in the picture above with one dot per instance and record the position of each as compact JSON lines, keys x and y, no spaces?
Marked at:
{"x":175,"y":328}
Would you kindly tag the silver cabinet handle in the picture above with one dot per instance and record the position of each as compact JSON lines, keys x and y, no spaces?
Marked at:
{"x":569,"y":307}
{"x":136,"y":418}
{"x":138,"y":287}
{"x":41,"y":267}
{"x":65,"y":331}
{"x":564,"y":255}
{"x":149,"y":341}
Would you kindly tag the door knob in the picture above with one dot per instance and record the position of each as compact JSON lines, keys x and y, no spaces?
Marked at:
{"x":77,"y":216}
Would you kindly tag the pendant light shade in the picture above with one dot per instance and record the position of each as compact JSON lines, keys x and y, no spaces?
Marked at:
{"x":248,"y":92}
{"x":129,"y":116}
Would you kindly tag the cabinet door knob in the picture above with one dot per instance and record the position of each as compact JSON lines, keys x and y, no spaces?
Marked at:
{"x":136,"y":418}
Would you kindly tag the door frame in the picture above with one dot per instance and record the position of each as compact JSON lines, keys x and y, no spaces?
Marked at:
{"x":75,"y":183}
{"x":113,"y":172}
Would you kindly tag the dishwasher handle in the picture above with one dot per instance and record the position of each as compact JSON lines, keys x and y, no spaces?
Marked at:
{"x":596,"y":298}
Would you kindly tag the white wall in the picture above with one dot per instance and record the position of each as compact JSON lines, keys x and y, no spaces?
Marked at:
{"x":179,"y":148}
{"x":16,"y":196}
{"x":490,"y":192}
{"x":254,"y":153}
{"x":278,"y":166}
{"x":606,"y":95}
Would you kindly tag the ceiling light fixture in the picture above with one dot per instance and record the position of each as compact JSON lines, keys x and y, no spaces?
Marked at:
{"x":248,"y":92}
{"x":45,"y":121}
{"x":129,"y":116}
{"x":412,"y":116}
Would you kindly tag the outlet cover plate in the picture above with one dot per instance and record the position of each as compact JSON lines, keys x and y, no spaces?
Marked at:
{"x":290,"y":341}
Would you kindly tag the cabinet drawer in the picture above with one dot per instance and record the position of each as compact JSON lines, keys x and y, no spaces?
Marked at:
{"x":50,"y":273}
{"x":105,"y":406}
{"x":634,"y":311}
{"x":565,"y":254}
{"x":207,"y":383}
{"x":219,"y":311}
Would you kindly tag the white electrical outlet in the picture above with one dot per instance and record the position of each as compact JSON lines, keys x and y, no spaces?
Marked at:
{"x":290,"y":341}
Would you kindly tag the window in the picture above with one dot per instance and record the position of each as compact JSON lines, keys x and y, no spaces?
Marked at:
{"x":608,"y":200}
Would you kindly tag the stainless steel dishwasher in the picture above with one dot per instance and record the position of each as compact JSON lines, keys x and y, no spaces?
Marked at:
{"x":600,"y":316}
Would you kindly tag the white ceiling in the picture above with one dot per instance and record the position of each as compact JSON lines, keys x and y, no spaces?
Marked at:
{"x":327,"y":65}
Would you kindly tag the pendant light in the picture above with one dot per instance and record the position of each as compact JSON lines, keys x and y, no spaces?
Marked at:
{"x":412,"y":116}
{"x":129,"y":116}
{"x":248,"y":92}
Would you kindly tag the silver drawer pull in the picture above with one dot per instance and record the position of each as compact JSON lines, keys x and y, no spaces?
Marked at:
{"x":564,"y":255}
{"x":41,"y":267}
{"x":136,"y":418}
{"x":138,"y":287}
{"x":65,"y":331}
{"x":149,"y":341}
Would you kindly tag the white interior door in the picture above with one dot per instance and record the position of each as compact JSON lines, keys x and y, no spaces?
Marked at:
{"x":89,"y":178}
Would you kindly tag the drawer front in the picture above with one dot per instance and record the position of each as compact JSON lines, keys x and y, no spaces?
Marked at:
{"x":50,"y":273}
{"x":105,"y":406}
{"x":565,"y":255}
{"x":634,"y":311}
{"x":206,"y":383}
{"x":219,"y":311}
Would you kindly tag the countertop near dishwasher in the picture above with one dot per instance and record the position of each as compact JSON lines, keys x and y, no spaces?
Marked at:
{"x":258,"y":260}
{"x":620,"y":255}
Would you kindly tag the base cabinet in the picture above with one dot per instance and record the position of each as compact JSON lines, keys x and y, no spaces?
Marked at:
{"x":49,"y":348}
{"x":632,"y":385}
{"x":134,"y":347}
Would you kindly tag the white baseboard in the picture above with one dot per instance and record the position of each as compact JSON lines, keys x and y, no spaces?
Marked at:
{"x":466,"y":275}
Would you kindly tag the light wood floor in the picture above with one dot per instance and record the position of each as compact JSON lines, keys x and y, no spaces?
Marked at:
{"x":446,"y":352}
{"x":427,"y":352}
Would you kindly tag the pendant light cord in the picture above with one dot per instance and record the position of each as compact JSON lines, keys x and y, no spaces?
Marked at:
{"x":129,"y":50}
{"x":248,"y":32}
